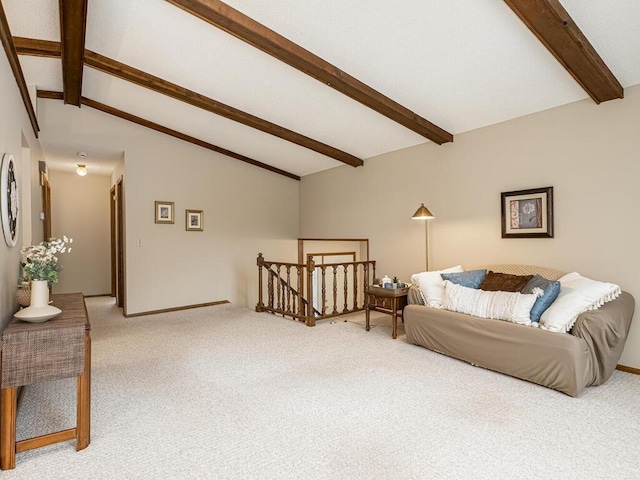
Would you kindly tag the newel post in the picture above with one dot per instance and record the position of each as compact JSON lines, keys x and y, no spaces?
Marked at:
{"x":260,"y":263}
{"x":311,"y":266}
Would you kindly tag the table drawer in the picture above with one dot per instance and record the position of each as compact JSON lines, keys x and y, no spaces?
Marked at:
{"x":381,"y":302}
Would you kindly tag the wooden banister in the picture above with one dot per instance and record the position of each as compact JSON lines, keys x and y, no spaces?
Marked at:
{"x":297,"y":301}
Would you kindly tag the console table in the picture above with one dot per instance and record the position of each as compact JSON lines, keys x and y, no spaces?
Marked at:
{"x":36,"y":352}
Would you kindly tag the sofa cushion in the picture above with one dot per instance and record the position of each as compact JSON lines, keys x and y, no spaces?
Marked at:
{"x":550,"y":291}
{"x":577,"y":295}
{"x":430,"y":285}
{"x":470,"y":279}
{"x":511,"y":306}
{"x":504,"y":282}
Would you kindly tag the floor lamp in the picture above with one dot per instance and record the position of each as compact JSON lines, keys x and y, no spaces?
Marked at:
{"x":424,"y":214}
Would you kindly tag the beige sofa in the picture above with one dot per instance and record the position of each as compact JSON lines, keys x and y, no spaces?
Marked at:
{"x":565,"y":362}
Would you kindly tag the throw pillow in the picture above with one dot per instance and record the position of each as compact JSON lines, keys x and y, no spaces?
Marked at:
{"x":511,"y":306}
{"x":504,"y":282}
{"x":430,"y":285}
{"x":470,"y":279}
{"x":577,"y":295}
{"x":550,"y":291}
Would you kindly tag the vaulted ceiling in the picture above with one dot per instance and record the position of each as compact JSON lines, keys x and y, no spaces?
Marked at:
{"x":299,"y":87}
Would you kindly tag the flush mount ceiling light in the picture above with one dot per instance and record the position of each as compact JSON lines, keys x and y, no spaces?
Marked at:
{"x":81,"y":170}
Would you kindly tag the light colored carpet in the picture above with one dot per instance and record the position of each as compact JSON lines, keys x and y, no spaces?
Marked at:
{"x":226,"y":393}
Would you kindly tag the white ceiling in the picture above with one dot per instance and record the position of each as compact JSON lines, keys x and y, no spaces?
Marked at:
{"x":460,"y":64}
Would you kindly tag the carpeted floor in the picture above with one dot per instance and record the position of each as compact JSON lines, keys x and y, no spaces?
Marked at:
{"x":226,"y":393}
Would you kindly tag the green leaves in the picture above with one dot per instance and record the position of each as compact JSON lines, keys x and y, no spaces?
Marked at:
{"x":41,"y":261}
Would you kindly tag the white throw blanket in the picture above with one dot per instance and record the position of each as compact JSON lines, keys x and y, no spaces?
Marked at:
{"x":511,"y":306}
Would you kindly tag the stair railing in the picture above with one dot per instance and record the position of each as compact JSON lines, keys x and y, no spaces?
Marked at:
{"x":285,"y":282}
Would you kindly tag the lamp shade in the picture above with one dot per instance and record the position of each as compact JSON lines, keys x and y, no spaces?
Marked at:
{"x":422,"y":213}
{"x":81,"y":170}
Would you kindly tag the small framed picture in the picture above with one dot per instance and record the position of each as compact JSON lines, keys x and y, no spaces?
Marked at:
{"x":164,"y":212}
{"x":194,"y":220}
{"x":527,"y":213}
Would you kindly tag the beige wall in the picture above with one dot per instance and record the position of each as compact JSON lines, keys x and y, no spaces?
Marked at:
{"x":37,"y":224}
{"x":246,"y":211}
{"x":15,"y":132}
{"x":80,"y":210}
{"x":587,"y":152}
{"x":118,"y":171}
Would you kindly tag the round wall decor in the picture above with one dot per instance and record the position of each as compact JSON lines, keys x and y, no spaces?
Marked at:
{"x":9,"y":199}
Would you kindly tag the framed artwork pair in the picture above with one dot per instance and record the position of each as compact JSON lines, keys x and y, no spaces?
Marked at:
{"x":194,"y":219}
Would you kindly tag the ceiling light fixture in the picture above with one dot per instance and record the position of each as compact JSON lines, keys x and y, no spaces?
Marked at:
{"x":81,"y":170}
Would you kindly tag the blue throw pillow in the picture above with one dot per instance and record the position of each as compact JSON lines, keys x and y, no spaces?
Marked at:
{"x":470,"y":279}
{"x":551,"y":290}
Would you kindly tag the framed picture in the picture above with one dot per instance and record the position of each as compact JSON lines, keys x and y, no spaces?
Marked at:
{"x":164,"y":212}
{"x":194,"y":220}
{"x":527,"y":213}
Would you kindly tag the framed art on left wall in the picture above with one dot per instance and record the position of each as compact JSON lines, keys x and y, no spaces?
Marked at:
{"x":194,"y":220}
{"x":164,"y":212}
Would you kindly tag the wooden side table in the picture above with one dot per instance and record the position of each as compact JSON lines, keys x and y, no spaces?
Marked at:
{"x":37,"y":352}
{"x":386,"y":300}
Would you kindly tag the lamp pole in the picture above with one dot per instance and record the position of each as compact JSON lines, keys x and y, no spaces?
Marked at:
{"x":424,"y":214}
{"x":426,"y":244}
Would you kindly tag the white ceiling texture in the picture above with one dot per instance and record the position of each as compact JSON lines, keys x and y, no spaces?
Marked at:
{"x":461,"y":64}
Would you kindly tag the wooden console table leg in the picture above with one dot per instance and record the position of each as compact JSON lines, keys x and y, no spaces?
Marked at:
{"x":394,"y":327}
{"x":84,"y":399}
{"x":394,"y":319}
{"x":366,"y":315}
{"x":8,"y":428}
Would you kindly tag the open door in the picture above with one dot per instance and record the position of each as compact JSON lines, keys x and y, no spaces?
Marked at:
{"x":114,"y":240}
{"x":46,"y":206}
{"x":120,"y":264}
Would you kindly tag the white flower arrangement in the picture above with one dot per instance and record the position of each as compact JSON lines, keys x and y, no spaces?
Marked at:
{"x":41,"y":262}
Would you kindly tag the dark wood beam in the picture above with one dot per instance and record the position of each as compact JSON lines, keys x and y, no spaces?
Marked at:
{"x":12,"y":57}
{"x":248,"y":30}
{"x":554,"y":27}
{"x":37,"y":48}
{"x":73,"y":27}
{"x":50,"y":95}
{"x":27,"y":46}
{"x":167,"y":131}
{"x":133,"y":75}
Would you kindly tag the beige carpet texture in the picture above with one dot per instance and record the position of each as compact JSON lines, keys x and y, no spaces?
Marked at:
{"x":226,"y":393}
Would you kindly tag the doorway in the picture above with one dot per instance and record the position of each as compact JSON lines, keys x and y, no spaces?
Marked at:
{"x":114,"y":240}
{"x":46,"y":206}
{"x":116,"y":211}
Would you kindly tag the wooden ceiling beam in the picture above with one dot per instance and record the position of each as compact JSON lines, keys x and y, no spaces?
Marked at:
{"x":37,"y":48}
{"x":167,"y":131}
{"x":12,"y":57}
{"x":28,"y":46}
{"x":133,"y":75}
{"x":248,"y":30}
{"x":554,"y":27}
{"x":73,"y":28}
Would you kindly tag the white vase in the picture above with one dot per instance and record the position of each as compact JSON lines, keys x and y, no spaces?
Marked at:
{"x":39,"y":293}
{"x":39,"y":310}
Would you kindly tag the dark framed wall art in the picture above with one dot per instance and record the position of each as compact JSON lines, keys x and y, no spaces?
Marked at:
{"x":527,"y":213}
